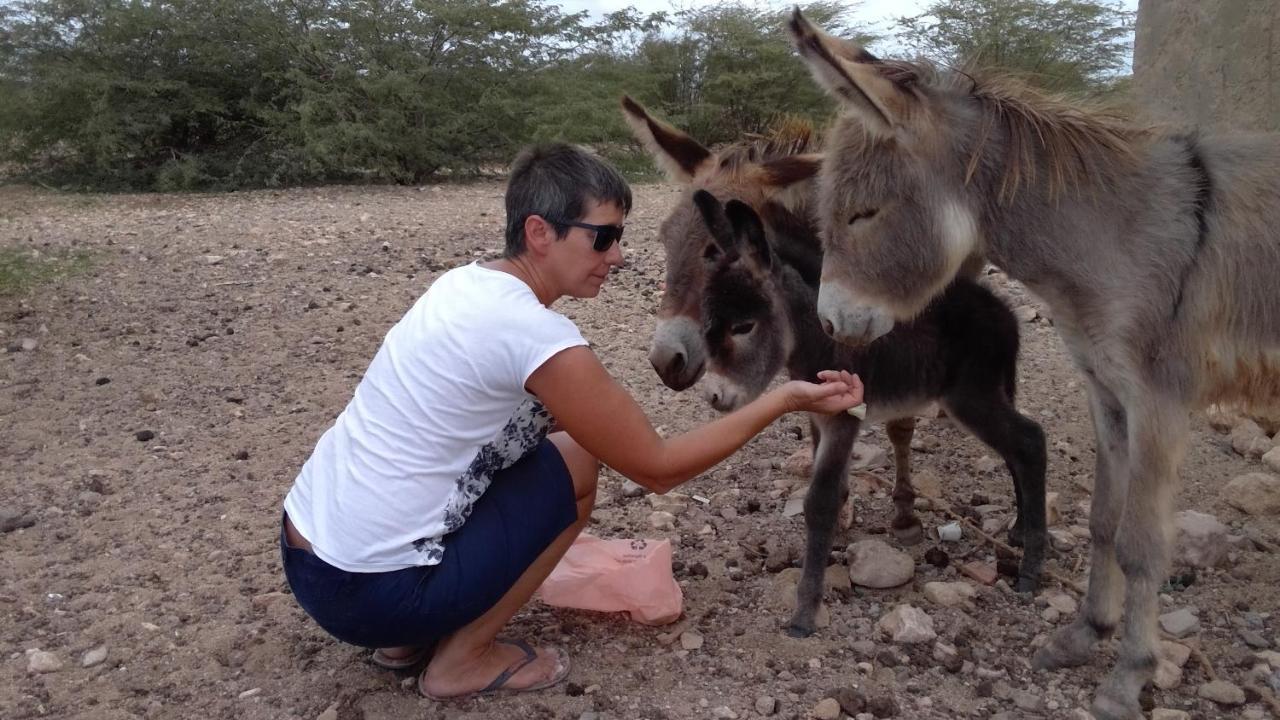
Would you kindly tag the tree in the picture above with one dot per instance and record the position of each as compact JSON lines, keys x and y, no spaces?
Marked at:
{"x":1059,"y":45}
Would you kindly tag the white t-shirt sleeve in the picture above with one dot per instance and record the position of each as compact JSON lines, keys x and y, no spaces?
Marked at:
{"x":542,"y":335}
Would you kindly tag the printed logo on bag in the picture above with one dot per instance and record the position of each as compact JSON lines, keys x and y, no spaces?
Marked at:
{"x":639,"y":544}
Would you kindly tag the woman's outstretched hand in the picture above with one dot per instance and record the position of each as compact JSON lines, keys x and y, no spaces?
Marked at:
{"x":838,"y":391}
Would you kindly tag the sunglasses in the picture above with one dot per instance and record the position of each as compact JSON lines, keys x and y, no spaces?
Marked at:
{"x":606,"y":235}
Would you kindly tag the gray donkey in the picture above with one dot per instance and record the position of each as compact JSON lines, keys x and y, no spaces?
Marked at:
{"x":1158,"y":254}
{"x":759,"y":316}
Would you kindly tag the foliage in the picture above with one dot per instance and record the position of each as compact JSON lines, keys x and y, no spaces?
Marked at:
{"x":21,"y":268}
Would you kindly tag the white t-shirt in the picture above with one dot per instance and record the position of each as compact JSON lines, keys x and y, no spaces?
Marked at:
{"x":441,"y":408}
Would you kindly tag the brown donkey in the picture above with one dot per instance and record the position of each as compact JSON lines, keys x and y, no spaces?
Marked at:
{"x":1157,"y":253}
{"x":913,"y":368}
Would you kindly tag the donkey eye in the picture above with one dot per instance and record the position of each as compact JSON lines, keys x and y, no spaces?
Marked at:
{"x":711,"y":252}
{"x":742,"y":328}
{"x":863,"y":215}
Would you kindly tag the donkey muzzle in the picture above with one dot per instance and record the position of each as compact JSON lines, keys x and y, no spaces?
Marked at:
{"x":848,"y":319}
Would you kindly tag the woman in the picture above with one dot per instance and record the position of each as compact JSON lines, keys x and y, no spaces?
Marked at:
{"x":439,"y":500}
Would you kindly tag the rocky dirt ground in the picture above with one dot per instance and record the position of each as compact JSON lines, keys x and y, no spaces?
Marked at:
{"x":156,"y":407}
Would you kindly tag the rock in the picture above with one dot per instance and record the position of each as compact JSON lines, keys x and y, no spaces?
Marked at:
{"x":795,"y":504}
{"x":674,"y":503}
{"x":1052,"y":508}
{"x":632,"y":489}
{"x":1202,"y":540}
{"x":330,"y":713}
{"x":906,"y":624}
{"x":144,"y":435}
{"x":949,"y":594}
{"x":874,"y":564}
{"x":827,"y":709}
{"x":1272,"y":458}
{"x":984,"y":573}
{"x":867,"y":457}
{"x":11,"y":520}
{"x":691,"y":640}
{"x":1061,"y":602}
{"x":766,"y":705}
{"x":851,"y":701}
{"x":1026,"y":313}
{"x":1222,"y":693}
{"x":95,"y":656}
{"x":1062,"y":540}
{"x":250,"y":693}
{"x":1176,"y":653}
{"x":39,"y":661}
{"x":1180,"y":623}
{"x":1168,"y":675}
{"x":213,"y":259}
{"x":1169,"y":714}
{"x":1221,"y":419}
{"x":660,"y":520}
{"x":1028,"y":701}
{"x":264,"y":600}
{"x":1250,"y":440}
{"x":799,"y":463}
{"x":986,"y":464}
{"x":29,"y":344}
{"x":1254,"y":494}
{"x":724,"y":712}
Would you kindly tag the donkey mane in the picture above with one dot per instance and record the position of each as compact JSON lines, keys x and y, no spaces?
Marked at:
{"x":787,"y":137}
{"x":1076,"y":143}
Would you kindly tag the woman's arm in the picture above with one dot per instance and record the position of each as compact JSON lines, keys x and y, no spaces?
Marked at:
{"x":604,"y":419}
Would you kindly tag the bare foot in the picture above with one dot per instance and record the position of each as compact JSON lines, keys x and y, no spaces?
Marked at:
{"x":447,"y":677}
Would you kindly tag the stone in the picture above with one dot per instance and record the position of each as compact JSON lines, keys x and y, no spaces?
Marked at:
{"x":1169,"y":714}
{"x":1052,"y":508}
{"x":11,"y":520}
{"x":1245,"y":436}
{"x":1202,"y":539}
{"x":799,"y":463}
{"x":632,"y":489}
{"x":674,"y":503}
{"x":1254,"y":494}
{"x":1062,"y":540}
{"x":691,"y":640}
{"x":766,"y":705}
{"x":1168,"y":675}
{"x":330,"y":713}
{"x":874,"y":564}
{"x":907,"y":625}
{"x":986,"y":464}
{"x":39,"y":661}
{"x":95,"y":656}
{"x":660,"y":520}
{"x":724,"y":712}
{"x":827,"y":709}
{"x":949,"y":594}
{"x":867,"y":457}
{"x":213,"y":259}
{"x":1028,"y":701}
{"x":29,"y":344}
{"x":984,"y":573}
{"x":1180,"y":623}
{"x":1272,"y":458}
{"x":1222,"y":693}
{"x":1176,"y":653}
{"x":1061,"y":602}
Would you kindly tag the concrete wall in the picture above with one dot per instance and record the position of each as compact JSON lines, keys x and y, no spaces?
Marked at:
{"x":1214,"y":63}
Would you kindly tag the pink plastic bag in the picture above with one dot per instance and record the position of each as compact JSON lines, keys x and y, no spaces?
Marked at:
{"x":632,"y":576}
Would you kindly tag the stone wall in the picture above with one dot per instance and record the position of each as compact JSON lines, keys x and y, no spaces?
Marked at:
{"x":1214,"y":63}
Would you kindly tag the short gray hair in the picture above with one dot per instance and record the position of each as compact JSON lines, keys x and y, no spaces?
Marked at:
{"x":555,"y":181}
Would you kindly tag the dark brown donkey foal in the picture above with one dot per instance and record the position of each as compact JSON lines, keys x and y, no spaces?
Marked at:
{"x":760,"y":315}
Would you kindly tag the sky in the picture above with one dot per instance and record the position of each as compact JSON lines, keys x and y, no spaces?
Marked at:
{"x":877,"y":14}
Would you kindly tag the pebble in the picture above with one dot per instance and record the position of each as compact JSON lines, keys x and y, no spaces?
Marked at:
{"x":827,"y":709}
{"x":662,"y":520}
{"x":632,"y":489}
{"x":11,"y":520}
{"x":330,"y":713}
{"x":1221,"y":692}
{"x":94,"y":657}
{"x":949,"y":594}
{"x":1028,"y":700}
{"x":39,"y":661}
{"x":1180,"y":623}
{"x":1272,"y":458}
{"x":907,"y":624}
{"x":724,"y":713}
{"x":984,"y":573}
{"x":250,"y":693}
{"x":1201,"y":539}
{"x":673,"y":503}
{"x":1061,"y":602}
{"x":1169,"y":714}
{"x":691,"y":640}
{"x":1168,"y":675}
{"x":766,"y":705}
{"x":29,"y":344}
{"x":1254,"y":494}
{"x":874,"y":564}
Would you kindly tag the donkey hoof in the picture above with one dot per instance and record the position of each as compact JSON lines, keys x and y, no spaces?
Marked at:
{"x":1027,"y":585}
{"x":911,"y":534}
{"x":797,"y":630}
{"x":1016,"y":536}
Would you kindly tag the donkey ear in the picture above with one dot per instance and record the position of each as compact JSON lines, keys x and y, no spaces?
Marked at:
{"x":714,"y":218}
{"x":847,"y":71}
{"x":680,"y":156}
{"x":786,"y":171}
{"x":748,"y":231}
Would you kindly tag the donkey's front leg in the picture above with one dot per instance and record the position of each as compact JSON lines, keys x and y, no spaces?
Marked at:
{"x":821,"y":507}
{"x":1072,"y":645}
{"x":1158,"y":431}
{"x":906,"y":526}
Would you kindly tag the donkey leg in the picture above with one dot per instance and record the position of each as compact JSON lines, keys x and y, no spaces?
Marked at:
{"x":906,"y":526}
{"x":821,"y":507}
{"x":1020,"y":441}
{"x":1072,"y":645}
{"x":1158,"y":437}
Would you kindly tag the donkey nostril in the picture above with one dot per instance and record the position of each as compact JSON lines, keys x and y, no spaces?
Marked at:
{"x":828,"y":328}
{"x":677,"y":362}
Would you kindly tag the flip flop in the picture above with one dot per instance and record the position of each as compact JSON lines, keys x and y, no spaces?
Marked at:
{"x":382,"y":660}
{"x":498,"y":686}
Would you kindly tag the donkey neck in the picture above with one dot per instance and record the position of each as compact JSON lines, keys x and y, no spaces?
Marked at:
{"x":811,"y":348}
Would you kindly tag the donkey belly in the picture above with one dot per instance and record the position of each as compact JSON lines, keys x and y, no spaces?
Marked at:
{"x":1242,"y":377}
